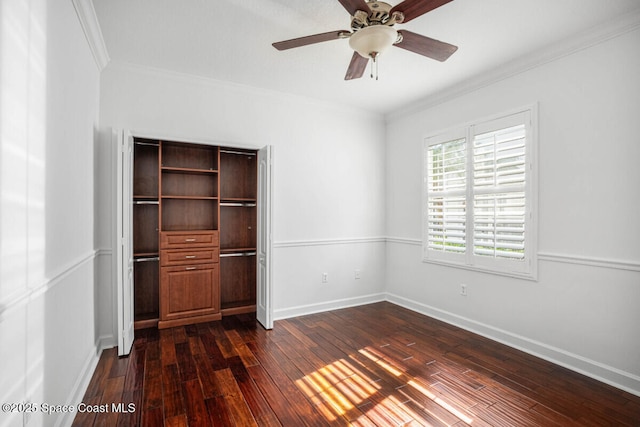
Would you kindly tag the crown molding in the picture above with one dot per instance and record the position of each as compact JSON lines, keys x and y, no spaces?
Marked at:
{"x":580,"y":41}
{"x":91,"y":27}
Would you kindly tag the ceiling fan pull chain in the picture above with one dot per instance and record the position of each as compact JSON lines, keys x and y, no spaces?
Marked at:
{"x":371,"y":72}
{"x":374,"y":63}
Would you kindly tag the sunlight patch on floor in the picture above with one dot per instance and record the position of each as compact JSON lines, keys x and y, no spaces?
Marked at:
{"x":340,"y":390}
{"x":337,"y":388}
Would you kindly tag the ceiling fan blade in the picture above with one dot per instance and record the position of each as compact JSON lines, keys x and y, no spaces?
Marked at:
{"x":414,"y":8}
{"x":353,"y":6}
{"x":307,"y":40}
{"x":431,"y":48}
{"x":356,"y":67}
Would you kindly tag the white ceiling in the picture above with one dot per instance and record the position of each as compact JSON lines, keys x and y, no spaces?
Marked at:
{"x":230,"y":40}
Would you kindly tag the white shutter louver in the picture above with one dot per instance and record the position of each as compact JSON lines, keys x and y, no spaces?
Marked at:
{"x":499,"y":206}
{"x":446,"y":187}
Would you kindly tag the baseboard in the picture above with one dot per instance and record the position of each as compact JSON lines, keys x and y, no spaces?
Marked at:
{"x":598,"y":371}
{"x":302,"y":310}
{"x":105,"y":342}
{"x":80,"y":387}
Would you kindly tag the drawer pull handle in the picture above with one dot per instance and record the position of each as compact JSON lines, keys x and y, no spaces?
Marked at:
{"x":189,"y":240}
{"x":190,"y":256}
{"x":191,"y":268}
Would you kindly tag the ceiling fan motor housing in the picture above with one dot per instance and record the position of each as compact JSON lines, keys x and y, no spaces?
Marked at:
{"x":377,"y":14}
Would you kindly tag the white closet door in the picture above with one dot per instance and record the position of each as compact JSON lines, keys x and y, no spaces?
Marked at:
{"x":124,"y":244}
{"x":264,"y":292}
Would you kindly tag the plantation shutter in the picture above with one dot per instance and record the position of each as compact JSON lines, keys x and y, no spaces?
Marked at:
{"x":446,"y":187}
{"x":499,"y":188}
{"x":479,"y":196}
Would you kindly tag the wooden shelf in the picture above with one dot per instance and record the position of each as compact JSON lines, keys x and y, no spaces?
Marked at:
{"x":146,"y":292}
{"x":193,"y":157}
{"x":236,"y":304}
{"x":137,"y":255}
{"x":190,"y":197}
{"x":151,"y":322}
{"x":187,"y":213}
{"x":238,"y":174}
{"x":192,"y":171}
{"x":238,"y":227}
{"x":237,"y":250}
{"x":238,"y":199}
{"x":237,"y":281}
{"x":189,"y":183}
{"x":145,"y":169}
{"x":242,"y":308}
{"x":145,"y":227}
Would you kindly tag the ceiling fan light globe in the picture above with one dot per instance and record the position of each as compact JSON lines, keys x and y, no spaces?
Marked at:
{"x":373,"y":39}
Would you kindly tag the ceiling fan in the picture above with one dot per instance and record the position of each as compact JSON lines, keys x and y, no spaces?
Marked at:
{"x":372,"y":33}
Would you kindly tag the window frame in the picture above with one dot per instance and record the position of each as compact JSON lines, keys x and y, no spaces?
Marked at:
{"x":526,"y":269}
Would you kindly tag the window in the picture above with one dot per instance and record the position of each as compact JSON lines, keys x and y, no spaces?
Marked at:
{"x":479,"y":198}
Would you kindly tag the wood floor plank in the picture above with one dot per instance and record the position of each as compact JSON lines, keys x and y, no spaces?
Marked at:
{"x":87,"y":418}
{"x":234,"y":399}
{"x":179,"y":335}
{"x":129,"y":413}
{"x":194,"y":402}
{"x":135,"y":370}
{"x":373,"y":365}
{"x":112,"y":393}
{"x":254,"y":398}
{"x":196,"y":345}
{"x":219,"y":414}
{"x":280,"y":403}
{"x":152,"y":396}
{"x":152,"y":417}
{"x":186,"y":366}
{"x":241,"y":348}
{"x":119,"y":366}
{"x":101,"y":373}
{"x":206,"y":374}
{"x":176,"y":421}
{"x":172,"y":392}
{"x":167,"y":348}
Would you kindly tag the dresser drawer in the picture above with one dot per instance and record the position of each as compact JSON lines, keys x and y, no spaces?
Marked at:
{"x":188,"y":256}
{"x":186,"y":239}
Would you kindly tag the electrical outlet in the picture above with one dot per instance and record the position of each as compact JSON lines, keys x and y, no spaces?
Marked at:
{"x":463,"y":290}
{"x":325,"y":277}
{"x":356,"y":274}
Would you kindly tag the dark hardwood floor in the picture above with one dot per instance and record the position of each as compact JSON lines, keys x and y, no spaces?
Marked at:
{"x":374,"y":365}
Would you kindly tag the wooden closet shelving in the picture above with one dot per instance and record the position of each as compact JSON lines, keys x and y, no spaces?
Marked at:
{"x":238,"y":210}
{"x":146,"y":250}
{"x":194,"y":209}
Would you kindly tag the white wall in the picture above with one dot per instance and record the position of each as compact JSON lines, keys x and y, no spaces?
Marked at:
{"x":328,"y":175}
{"x":582,"y":312}
{"x":49,"y":90}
